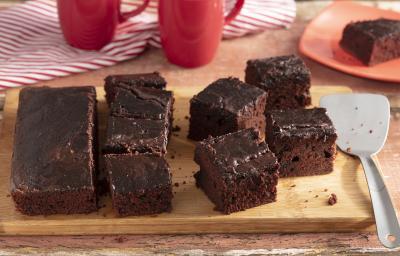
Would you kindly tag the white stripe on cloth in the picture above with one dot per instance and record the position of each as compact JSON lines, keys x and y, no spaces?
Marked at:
{"x":32,"y":47}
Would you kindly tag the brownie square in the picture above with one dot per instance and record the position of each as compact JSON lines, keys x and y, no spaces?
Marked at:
{"x":303,"y":140}
{"x":237,"y":171}
{"x":139,"y":184}
{"x":142,"y":102}
{"x":372,"y":41}
{"x":53,"y":163}
{"x":128,"y":81}
{"x":227,"y":105}
{"x":286,"y":79}
{"x":132,"y":135}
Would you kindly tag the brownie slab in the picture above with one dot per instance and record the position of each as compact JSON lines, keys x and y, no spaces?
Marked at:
{"x":227,"y":105}
{"x":303,"y":140}
{"x":128,"y":81}
{"x":372,"y":41}
{"x":237,"y":171}
{"x":53,"y":163}
{"x":132,"y":135}
{"x":139,"y":184}
{"x":286,"y":79}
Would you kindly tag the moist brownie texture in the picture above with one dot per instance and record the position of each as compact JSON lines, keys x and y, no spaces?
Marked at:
{"x":133,"y":135}
{"x":286,"y":79}
{"x":140,"y":121}
{"x":237,"y":171}
{"x":227,"y":105}
{"x":372,"y":41}
{"x":53,"y":163}
{"x":303,"y":140}
{"x":154,"y":80}
{"x":139,"y":184}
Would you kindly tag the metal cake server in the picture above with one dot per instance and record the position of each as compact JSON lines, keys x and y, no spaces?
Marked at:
{"x":362,"y":124}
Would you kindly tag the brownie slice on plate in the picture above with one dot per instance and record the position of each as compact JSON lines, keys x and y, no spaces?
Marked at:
{"x":54,"y":162}
{"x":372,"y":41}
{"x":127,"y":81}
{"x":303,"y":140}
{"x":286,"y":79}
{"x":227,"y":105}
{"x":237,"y":171}
{"x":139,"y":184}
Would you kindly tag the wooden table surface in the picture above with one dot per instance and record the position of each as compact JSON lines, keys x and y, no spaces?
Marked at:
{"x":231,"y":60}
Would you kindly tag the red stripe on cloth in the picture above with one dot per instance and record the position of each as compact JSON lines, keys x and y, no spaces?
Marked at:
{"x":32,"y":48}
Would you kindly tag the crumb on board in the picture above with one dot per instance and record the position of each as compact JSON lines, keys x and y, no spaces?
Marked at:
{"x":120,"y":239}
{"x":294,"y":185}
{"x":172,"y":156}
{"x":316,"y":196}
{"x":370,"y":131}
{"x":184,"y":182}
{"x":305,"y":201}
{"x":362,"y":125}
{"x":176,"y":128}
{"x":356,"y":108}
{"x":186,"y":117}
{"x":332,"y":199}
{"x":325,"y":190}
{"x":176,"y":184}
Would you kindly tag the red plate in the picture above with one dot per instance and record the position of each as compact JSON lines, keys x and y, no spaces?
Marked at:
{"x":320,"y":41}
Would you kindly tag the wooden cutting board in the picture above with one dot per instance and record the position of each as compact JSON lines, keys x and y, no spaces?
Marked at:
{"x":302,"y":204}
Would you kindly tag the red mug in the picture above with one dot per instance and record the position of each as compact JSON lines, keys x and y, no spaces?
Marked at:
{"x":90,"y":24}
{"x":192,"y":29}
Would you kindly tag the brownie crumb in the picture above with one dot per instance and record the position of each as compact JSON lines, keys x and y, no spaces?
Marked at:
{"x":325,"y":190}
{"x":370,"y":131}
{"x":176,"y":128}
{"x":176,"y":184}
{"x":316,"y":196}
{"x":172,"y":156}
{"x":294,"y":185}
{"x":348,"y":150}
{"x":8,"y":195}
{"x":120,"y":239}
{"x":332,"y":199}
{"x":184,"y":182}
{"x":186,"y":117}
{"x":305,"y":201}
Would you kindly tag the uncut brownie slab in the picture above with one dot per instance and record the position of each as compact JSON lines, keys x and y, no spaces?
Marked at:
{"x":128,"y":81}
{"x":286,"y":79}
{"x":53,"y":163}
{"x":372,"y":41}
{"x":237,"y":171}
{"x":303,"y":140}
{"x":134,"y":135}
{"x":227,"y":105}
{"x":139,"y":184}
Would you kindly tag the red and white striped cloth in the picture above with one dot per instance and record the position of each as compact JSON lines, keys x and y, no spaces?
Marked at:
{"x":32,"y":47}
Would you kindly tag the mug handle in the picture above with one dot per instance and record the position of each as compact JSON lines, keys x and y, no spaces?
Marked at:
{"x":126,"y":15}
{"x":234,"y":12}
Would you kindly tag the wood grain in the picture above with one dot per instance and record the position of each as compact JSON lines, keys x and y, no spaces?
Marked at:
{"x":302,"y":202}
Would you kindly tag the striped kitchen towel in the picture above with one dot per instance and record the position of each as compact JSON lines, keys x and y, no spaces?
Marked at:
{"x":32,"y":47}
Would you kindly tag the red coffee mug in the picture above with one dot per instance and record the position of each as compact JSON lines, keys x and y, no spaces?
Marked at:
{"x":192,"y":29}
{"x":90,"y":24}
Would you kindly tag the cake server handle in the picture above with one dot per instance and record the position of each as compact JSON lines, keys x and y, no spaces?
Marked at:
{"x":387,"y":224}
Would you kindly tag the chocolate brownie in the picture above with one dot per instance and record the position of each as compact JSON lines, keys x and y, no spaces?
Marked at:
{"x":237,"y":171}
{"x":128,"y":81}
{"x":145,"y":103}
{"x":133,"y":135}
{"x":303,"y":140}
{"x":286,"y":79}
{"x":227,"y":105}
{"x":372,"y":41}
{"x":139,"y":184}
{"x":53,"y":163}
